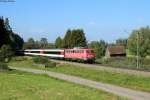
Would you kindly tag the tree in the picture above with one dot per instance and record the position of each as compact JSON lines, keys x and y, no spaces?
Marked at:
{"x":143,"y":37}
{"x":17,"y":41}
{"x":51,"y":46}
{"x":122,"y":42}
{"x":67,"y":39}
{"x":30,"y":44}
{"x":6,"y":53}
{"x":59,"y":42}
{"x":74,"y":38}
{"x":8,"y":37}
{"x":43,"y":43}
{"x":99,"y":48}
{"x":4,"y":33}
{"x":7,"y":26}
{"x":78,"y":38}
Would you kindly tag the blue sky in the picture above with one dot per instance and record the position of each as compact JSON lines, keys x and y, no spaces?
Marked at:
{"x":100,"y":19}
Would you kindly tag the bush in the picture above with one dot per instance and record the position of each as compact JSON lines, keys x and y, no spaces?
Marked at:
{"x":3,"y":66}
{"x":19,"y":58}
{"x":40,"y":60}
{"x":6,"y":53}
{"x":50,"y":65}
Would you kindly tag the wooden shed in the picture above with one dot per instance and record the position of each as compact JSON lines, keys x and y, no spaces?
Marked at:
{"x":115,"y":51}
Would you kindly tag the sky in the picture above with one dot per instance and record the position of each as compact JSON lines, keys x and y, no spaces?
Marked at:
{"x":100,"y":19}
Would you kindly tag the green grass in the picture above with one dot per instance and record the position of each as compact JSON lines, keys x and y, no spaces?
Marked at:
{"x":126,"y":62}
{"x":125,"y":80}
{"x":26,"y":86}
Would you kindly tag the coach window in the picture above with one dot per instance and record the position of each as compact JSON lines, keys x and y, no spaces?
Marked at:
{"x":76,"y":51}
{"x":92,"y":51}
{"x":88,"y":51}
{"x":79,"y":51}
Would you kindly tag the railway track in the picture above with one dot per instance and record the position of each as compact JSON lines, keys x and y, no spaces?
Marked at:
{"x":100,"y":67}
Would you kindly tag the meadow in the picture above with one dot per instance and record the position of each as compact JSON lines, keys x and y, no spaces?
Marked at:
{"x":120,"y":79}
{"x":15,"y":85}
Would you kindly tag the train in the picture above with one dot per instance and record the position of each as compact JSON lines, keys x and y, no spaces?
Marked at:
{"x":80,"y":54}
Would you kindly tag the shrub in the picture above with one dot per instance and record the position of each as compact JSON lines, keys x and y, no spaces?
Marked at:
{"x":40,"y":60}
{"x":50,"y":65}
{"x":19,"y":58}
{"x":3,"y":66}
{"x":6,"y":53}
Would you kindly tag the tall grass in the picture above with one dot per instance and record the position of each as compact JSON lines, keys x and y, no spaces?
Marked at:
{"x":131,"y":63}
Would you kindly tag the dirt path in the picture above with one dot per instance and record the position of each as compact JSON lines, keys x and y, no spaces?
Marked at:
{"x":99,"y":67}
{"x":131,"y":94}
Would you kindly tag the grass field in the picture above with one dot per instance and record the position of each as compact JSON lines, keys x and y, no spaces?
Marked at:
{"x":126,"y":62}
{"x":25,"y":86}
{"x":130,"y":81}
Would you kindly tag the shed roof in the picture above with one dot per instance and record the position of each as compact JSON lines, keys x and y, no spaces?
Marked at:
{"x":117,"y":49}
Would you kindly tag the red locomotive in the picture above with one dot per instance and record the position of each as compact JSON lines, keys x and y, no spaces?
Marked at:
{"x":85,"y":54}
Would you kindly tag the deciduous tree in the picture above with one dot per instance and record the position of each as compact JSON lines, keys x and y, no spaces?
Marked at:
{"x":143,"y":37}
{"x":99,"y":48}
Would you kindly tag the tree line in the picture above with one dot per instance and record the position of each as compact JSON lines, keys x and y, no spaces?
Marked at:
{"x":11,"y":41}
{"x":42,"y":44}
{"x":76,"y":38}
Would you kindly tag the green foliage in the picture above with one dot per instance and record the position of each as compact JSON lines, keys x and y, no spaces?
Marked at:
{"x":121,"y":41}
{"x":8,"y":37}
{"x":50,"y":64}
{"x":59,"y":42}
{"x":40,"y":60}
{"x":4,"y":33}
{"x":99,"y":48}
{"x":43,"y":43}
{"x":73,"y":38}
{"x":67,"y":39}
{"x":17,"y":41}
{"x":78,"y":38}
{"x":19,"y":58}
{"x":3,"y":66}
{"x":30,"y":44}
{"x":143,"y":37}
{"x":6,"y":53}
{"x":51,"y":46}
{"x":126,"y":63}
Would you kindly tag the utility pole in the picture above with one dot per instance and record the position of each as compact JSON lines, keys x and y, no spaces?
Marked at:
{"x":137,"y":50}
